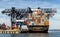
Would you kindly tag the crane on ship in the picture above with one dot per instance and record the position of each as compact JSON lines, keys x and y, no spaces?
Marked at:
{"x":16,"y":13}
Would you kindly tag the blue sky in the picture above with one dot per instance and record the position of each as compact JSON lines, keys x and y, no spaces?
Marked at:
{"x":54,"y":21}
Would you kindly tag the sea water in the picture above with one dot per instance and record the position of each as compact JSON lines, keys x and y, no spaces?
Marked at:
{"x":49,"y":34}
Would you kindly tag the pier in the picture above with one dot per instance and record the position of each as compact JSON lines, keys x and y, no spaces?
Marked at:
{"x":9,"y":31}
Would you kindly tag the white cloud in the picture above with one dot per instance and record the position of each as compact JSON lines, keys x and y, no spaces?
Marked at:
{"x":4,"y":18}
{"x":6,"y":21}
{"x":54,"y":24}
{"x":56,"y":17}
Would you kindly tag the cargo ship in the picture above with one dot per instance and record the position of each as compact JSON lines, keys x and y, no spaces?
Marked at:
{"x":34,"y":19}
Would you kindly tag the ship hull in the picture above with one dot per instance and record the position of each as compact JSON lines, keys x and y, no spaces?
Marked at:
{"x":38,"y":28}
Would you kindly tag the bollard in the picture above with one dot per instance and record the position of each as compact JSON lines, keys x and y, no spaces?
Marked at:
{"x":0,"y":31}
{"x":13,"y":32}
{"x":17,"y":32}
{"x":5,"y":32}
{"x":8,"y":32}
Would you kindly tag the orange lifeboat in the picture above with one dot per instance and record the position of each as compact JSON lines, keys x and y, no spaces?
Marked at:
{"x":46,"y":23}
